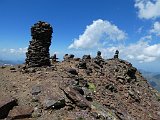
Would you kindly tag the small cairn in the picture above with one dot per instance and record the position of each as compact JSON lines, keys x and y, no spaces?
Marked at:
{"x":86,"y":58}
{"x":54,"y":59}
{"x":116,"y":54}
{"x":38,"y":50}
{"x":98,"y":59}
{"x":99,"y":55}
{"x":68,"y":57}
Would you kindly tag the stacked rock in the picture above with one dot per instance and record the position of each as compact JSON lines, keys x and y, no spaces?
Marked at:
{"x":53,"y":58}
{"x":38,"y":50}
{"x":98,"y":59}
{"x":116,"y":54}
{"x":67,"y":57}
{"x":86,"y":57}
{"x":99,"y":55}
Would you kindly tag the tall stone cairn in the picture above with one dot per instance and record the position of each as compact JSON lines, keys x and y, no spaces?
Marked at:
{"x":116,"y":54}
{"x":38,"y":50}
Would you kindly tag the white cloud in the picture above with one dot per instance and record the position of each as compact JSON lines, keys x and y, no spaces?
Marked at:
{"x":130,"y":57}
{"x":146,"y":38}
{"x":141,"y":51}
{"x":98,"y":30}
{"x":156,"y":28}
{"x":13,"y":54}
{"x":18,"y":51}
{"x":148,"y":9}
{"x":12,"y":50}
{"x":140,"y":29}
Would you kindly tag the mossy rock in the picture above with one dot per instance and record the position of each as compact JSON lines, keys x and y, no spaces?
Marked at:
{"x":80,"y":118}
{"x":103,"y":112}
{"x":91,"y":87}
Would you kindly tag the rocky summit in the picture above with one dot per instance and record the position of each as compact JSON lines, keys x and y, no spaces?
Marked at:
{"x":77,"y":89}
{"x":87,"y":88}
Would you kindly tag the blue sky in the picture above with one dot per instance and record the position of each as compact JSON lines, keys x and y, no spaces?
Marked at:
{"x":132,"y":26}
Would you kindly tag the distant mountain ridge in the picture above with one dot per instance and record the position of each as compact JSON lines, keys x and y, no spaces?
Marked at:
{"x":153,"y":78}
{"x":157,"y":76}
{"x":3,"y":62}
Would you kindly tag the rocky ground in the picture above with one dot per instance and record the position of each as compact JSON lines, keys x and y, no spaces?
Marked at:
{"x":77,"y":89}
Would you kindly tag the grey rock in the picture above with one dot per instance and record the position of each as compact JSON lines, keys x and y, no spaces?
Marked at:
{"x":54,"y":104}
{"x":72,"y":71}
{"x":76,"y":98}
{"x":36,"y":90}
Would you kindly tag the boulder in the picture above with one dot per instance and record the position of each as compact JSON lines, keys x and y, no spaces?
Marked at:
{"x":6,"y":104}
{"x":12,"y":68}
{"x":20,"y":112}
{"x":102,"y":113}
{"x":82,"y":65}
{"x":131,"y":72}
{"x":81,"y":82}
{"x":79,"y":89}
{"x":72,"y":71}
{"x":76,"y":98}
{"x":111,"y":87}
{"x":71,"y":56}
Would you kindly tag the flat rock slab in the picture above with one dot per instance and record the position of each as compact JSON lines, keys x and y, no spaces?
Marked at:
{"x":50,"y":96}
{"x":6,"y":104}
{"x":36,"y":90}
{"x":76,"y":97}
{"x":20,"y":112}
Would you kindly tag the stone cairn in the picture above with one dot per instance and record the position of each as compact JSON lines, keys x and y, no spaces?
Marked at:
{"x":68,"y":57}
{"x":54,"y":58}
{"x":38,"y":50}
{"x":98,"y":59}
{"x":116,"y":54}
{"x":99,"y":55}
